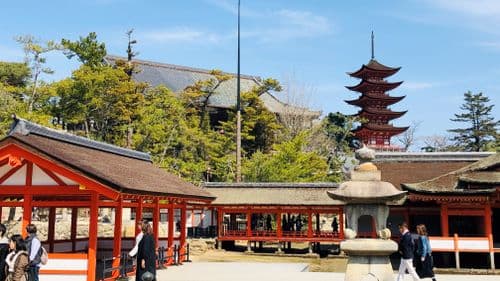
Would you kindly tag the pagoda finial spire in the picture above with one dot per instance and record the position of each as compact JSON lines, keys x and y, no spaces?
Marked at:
{"x":373,"y":46}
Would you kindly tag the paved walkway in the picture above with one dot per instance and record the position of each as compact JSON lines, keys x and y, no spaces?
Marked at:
{"x":240,"y":271}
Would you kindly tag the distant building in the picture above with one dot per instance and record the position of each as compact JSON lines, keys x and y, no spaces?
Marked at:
{"x":177,"y":78}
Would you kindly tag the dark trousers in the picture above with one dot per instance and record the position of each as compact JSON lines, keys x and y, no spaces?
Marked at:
{"x":33,"y":273}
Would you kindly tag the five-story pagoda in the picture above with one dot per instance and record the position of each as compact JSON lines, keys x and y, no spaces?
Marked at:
{"x":376,"y":131}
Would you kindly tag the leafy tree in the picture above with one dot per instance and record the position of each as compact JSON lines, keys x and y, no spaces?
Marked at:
{"x":481,"y":132}
{"x":101,"y":101}
{"x":197,"y":96}
{"x":260,"y":128}
{"x":14,"y":74}
{"x":173,"y":139}
{"x":289,"y":162}
{"x":87,"y":49}
{"x":34,"y":57}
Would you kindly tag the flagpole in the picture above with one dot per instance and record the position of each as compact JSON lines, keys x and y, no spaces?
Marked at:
{"x":238,"y":109}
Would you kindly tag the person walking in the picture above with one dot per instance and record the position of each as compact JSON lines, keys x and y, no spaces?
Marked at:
{"x":33,"y":246}
{"x":146,"y":253}
{"x":17,"y":260}
{"x":406,"y":248}
{"x":138,"y":239}
{"x":423,"y":260}
{"x":4,"y":251}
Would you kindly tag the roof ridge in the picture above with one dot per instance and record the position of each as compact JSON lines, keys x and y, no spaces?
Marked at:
{"x":181,"y":67}
{"x":25,"y":127}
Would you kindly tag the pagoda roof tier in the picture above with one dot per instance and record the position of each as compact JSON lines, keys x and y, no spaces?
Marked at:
{"x":370,"y":112}
{"x":368,"y":99}
{"x":379,"y":129}
{"x":382,"y":86}
{"x":374,"y":69}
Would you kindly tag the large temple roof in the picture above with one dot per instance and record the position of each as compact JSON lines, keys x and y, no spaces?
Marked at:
{"x":122,"y":169}
{"x":482,"y":176}
{"x":374,"y":69}
{"x":177,"y":78}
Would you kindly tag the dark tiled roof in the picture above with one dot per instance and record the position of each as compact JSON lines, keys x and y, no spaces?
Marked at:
{"x":481,"y":172}
{"x":177,"y":78}
{"x":282,"y":194}
{"x":116,"y":168}
{"x":24,"y":127}
{"x":374,"y":66}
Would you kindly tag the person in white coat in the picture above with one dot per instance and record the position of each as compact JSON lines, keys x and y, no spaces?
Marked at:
{"x":138,"y":239}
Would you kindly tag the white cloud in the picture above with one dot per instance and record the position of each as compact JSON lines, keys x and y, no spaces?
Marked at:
{"x":475,"y":8}
{"x":180,"y":34}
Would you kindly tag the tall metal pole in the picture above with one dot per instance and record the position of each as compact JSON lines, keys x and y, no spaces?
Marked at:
{"x":238,"y":109}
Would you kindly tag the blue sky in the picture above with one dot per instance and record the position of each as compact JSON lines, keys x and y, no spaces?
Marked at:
{"x":445,"y":47}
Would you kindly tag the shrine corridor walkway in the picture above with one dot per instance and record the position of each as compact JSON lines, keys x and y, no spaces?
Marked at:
{"x":241,"y":271}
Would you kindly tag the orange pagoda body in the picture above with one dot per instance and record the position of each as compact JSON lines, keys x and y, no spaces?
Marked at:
{"x":376,"y":130}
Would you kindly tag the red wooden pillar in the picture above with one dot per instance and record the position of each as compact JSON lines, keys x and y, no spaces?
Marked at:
{"x":27,"y":209}
{"x":171,"y":224}
{"x":309,"y":224}
{"x":249,"y":224}
{"x":74,"y":218}
{"x":117,"y":242}
{"x":487,"y":220}
{"x":51,"y":230}
{"x":156,"y":221}
{"x":92,"y":254}
{"x":27,"y":206}
{"x":279,"y":229}
{"x":444,"y":220}
{"x":341,"y":223}
{"x":220,"y":226}
{"x":183,"y":224}
{"x":138,"y":214}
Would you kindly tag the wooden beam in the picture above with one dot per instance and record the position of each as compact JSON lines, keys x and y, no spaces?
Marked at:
{"x":51,"y":230}
{"x":279,"y":229}
{"x":183,"y":225}
{"x":117,"y":242}
{"x":53,"y":176}
{"x":249,"y":223}
{"x":138,"y":214}
{"x":171,"y":225}
{"x":74,"y":221}
{"x":27,"y":210}
{"x":42,"y":190}
{"x":309,"y":224}
{"x":487,"y":220}
{"x":444,"y":220}
{"x":11,"y":172}
{"x":92,"y":246}
{"x":341,"y":224}
{"x":156,"y":221}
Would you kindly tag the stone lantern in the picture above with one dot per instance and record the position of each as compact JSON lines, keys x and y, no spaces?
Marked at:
{"x":366,"y":194}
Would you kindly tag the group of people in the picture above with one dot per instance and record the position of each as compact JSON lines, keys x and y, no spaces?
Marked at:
{"x":20,"y":258}
{"x":145,"y":252}
{"x":415,"y":252}
{"x":294,"y":224}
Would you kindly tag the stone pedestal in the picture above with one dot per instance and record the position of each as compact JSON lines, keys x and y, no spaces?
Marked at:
{"x":369,"y":259}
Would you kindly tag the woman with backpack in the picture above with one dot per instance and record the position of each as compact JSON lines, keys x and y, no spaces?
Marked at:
{"x":423,"y":259}
{"x":17,"y":260}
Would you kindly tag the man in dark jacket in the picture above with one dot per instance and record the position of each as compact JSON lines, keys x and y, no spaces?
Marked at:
{"x":406,"y":248}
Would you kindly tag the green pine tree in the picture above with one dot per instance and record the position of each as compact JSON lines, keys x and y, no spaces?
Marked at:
{"x":481,"y":131}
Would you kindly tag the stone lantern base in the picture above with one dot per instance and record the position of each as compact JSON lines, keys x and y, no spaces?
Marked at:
{"x":369,"y":259}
